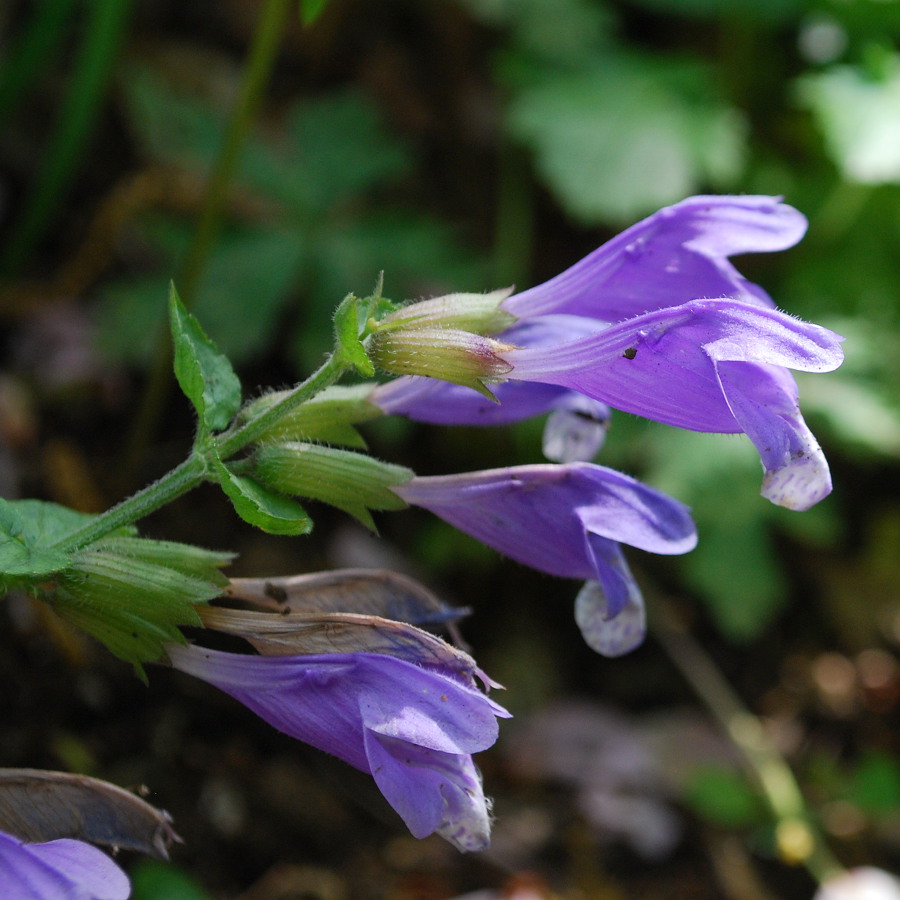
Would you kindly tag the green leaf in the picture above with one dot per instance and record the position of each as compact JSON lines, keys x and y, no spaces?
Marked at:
{"x":245,"y":285}
{"x":723,"y":797}
{"x":310,"y":10}
{"x":205,"y":375}
{"x":341,"y":148}
{"x":260,"y":506}
{"x":173,"y":126}
{"x":575,"y":33}
{"x":860,"y":118}
{"x":625,"y":136}
{"x":742,"y":11}
{"x":27,"y":529}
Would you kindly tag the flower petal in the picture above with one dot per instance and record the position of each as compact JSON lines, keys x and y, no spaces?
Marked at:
{"x":575,"y":430}
{"x":446,"y":795}
{"x":678,"y":254}
{"x":764,"y":401}
{"x":442,"y":403}
{"x":661,"y":365}
{"x":59,"y":870}
{"x":327,"y":700}
{"x":540,"y":515}
{"x":91,"y":869}
{"x":439,"y":713}
{"x":313,"y":699}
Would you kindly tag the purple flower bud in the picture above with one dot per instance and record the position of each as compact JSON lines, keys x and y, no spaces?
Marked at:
{"x":58,"y":870}
{"x":411,"y":727}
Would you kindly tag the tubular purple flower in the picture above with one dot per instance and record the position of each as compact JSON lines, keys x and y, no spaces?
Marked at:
{"x":411,"y":727}
{"x":58,"y":870}
{"x":567,"y":520}
{"x":678,"y":254}
{"x":707,"y":365}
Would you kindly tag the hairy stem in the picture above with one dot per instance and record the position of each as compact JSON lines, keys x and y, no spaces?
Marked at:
{"x":256,"y":74}
{"x":327,"y":374}
{"x":173,"y":484}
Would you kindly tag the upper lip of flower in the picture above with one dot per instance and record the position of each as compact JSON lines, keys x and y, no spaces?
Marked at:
{"x":677,"y":254}
{"x":565,"y":504}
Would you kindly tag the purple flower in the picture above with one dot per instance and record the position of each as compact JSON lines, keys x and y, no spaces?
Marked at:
{"x":567,"y":520}
{"x":707,"y":365}
{"x":659,"y":323}
{"x":58,"y":870}
{"x":411,"y":727}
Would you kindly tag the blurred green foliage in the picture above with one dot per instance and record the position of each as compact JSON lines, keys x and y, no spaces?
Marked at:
{"x":723,"y":797}
{"x":325,"y":225}
{"x":151,"y":880}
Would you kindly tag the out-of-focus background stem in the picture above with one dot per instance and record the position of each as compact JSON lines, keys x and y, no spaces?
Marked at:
{"x":256,"y":73}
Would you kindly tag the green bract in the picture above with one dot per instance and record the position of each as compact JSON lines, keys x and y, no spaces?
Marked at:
{"x":330,"y":416}
{"x":132,"y":594}
{"x":258,"y":505}
{"x":351,"y":481}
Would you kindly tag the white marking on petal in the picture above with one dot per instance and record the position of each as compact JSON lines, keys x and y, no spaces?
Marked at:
{"x":610,"y":637}
{"x":801,"y":483}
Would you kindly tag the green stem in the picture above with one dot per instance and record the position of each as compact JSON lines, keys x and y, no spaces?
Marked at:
{"x":178,"y":481}
{"x":193,"y":470}
{"x":256,"y":75}
{"x":327,"y":374}
{"x":798,"y":840}
{"x":514,"y":223}
{"x":26,"y":59}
